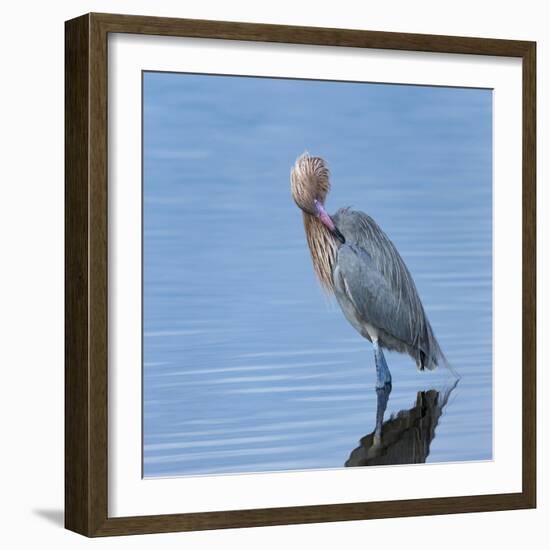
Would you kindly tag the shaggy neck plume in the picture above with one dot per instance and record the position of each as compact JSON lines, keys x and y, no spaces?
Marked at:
{"x":323,"y":250}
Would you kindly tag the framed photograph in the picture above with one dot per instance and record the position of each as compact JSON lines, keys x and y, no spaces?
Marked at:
{"x":300,"y":274}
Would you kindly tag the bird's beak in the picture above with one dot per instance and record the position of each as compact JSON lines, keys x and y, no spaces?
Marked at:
{"x":326,"y":220}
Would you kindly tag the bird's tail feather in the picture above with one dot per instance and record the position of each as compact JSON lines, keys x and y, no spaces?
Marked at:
{"x":444,"y":362}
{"x":435,"y":356}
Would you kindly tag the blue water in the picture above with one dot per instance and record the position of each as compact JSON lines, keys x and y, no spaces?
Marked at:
{"x":248,"y":367}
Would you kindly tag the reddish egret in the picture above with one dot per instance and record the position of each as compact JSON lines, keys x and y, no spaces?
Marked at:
{"x":357,"y":262}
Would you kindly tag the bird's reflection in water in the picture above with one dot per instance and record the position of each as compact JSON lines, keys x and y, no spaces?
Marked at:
{"x":405,"y":437}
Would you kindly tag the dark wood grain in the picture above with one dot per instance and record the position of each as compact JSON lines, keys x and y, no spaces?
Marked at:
{"x":261,"y":32}
{"x":311,"y":514}
{"x":86,"y":260}
{"x":529,"y":276}
{"x":98,"y":273}
{"x":77,"y":458}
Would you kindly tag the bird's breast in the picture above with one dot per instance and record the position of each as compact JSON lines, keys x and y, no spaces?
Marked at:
{"x":346,"y":303}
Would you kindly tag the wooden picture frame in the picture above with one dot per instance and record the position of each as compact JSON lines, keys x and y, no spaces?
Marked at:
{"x":86,"y":282}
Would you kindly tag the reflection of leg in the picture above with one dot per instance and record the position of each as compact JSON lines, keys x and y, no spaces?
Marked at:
{"x":383,"y":375}
{"x":382,"y":396}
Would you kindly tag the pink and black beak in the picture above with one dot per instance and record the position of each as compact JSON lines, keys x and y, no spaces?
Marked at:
{"x":326,"y":220}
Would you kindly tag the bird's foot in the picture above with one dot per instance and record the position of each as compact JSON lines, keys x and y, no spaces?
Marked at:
{"x":383,"y":376}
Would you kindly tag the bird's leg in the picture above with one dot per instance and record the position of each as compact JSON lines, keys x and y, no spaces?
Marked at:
{"x":383,"y":376}
{"x":382,"y":396}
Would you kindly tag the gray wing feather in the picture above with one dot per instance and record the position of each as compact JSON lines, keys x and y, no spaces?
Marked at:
{"x":382,"y":288}
{"x":370,"y":293}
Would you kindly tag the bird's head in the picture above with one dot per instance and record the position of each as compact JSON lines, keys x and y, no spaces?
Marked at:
{"x":309,"y":185}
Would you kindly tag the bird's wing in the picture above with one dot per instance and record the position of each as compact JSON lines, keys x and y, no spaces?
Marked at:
{"x":381,"y":285}
{"x":371,"y":294}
